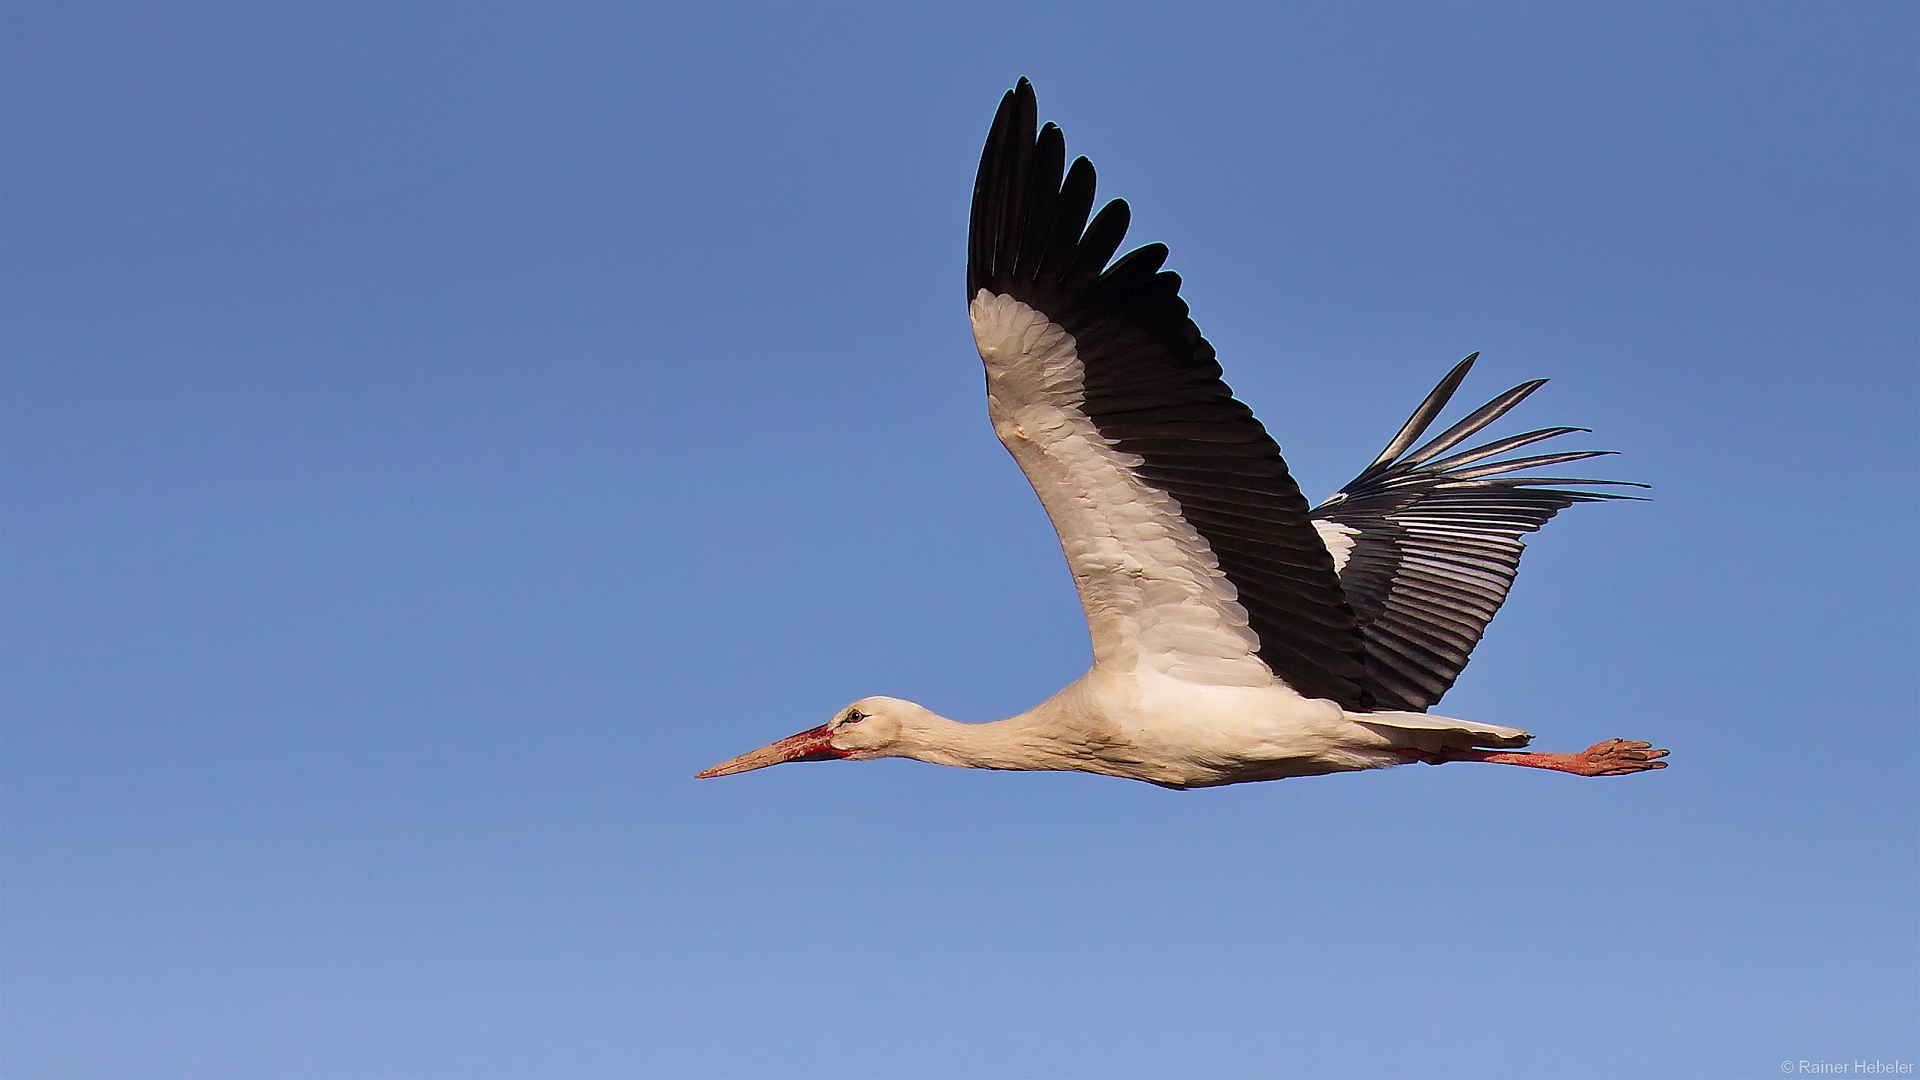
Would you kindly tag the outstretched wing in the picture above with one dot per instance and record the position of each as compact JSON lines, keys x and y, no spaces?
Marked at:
{"x":1427,"y":546}
{"x":1189,"y":542}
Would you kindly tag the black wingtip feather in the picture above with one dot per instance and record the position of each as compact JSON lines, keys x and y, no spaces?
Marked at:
{"x":1479,"y":418}
{"x":1102,"y":239}
{"x":1136,"y":269}
{"x":1417,"y":424}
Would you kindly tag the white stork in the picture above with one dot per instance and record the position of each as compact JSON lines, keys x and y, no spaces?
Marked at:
{"x":1237,"y":634}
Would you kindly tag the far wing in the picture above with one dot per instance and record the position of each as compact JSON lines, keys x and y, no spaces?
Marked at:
{"x":1427,"y":546}
{"x":1188,"y":541}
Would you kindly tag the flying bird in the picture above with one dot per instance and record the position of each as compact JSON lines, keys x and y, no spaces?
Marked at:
{"x":1238,"y":634}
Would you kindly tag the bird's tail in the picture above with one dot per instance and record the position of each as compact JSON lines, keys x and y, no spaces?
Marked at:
{"x":1432,"y":734}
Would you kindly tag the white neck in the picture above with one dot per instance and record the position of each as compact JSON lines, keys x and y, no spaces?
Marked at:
{"x":1035,"y":739}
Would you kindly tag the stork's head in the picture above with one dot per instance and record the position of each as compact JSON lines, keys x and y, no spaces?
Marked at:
{"x":868,"y":728}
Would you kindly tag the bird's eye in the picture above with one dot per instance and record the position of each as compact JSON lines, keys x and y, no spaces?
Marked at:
{"x":854,"y":716}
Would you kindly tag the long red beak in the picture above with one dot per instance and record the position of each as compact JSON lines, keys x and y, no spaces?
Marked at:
{"x":811,"y":745}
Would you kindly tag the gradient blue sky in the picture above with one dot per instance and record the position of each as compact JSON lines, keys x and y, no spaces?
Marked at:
{"x":431,"y":433}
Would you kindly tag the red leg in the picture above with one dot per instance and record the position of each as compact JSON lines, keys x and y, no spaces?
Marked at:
{"x":1615,"y":757}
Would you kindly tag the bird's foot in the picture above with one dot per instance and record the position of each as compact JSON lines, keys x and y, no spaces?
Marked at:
{"x":1617,"y":757}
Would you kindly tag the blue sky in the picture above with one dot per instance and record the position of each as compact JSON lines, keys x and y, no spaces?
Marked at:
{"x":432,"y":433}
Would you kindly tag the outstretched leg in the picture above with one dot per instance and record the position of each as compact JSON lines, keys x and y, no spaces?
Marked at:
{"x":1615,"y":757}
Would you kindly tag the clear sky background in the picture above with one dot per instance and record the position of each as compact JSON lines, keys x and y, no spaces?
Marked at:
{"x":432,"y":433}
